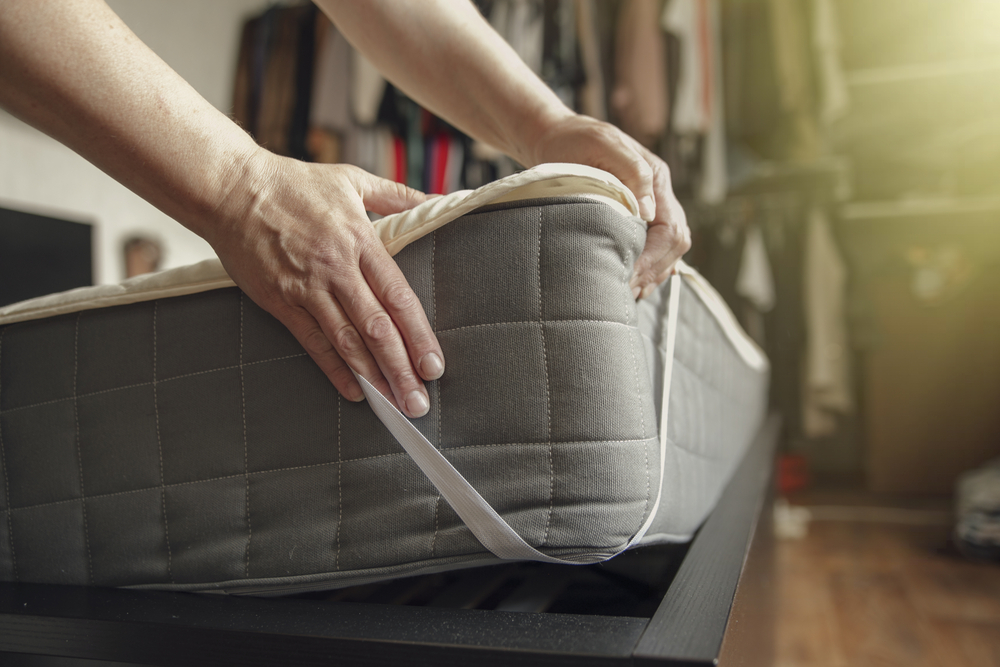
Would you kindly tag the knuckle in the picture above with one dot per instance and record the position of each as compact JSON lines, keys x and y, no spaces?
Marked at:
{"x":685,"y":243}
{"x":348,"y":341}
{"x":366,"y":245}
{"x":290,"y":290}
{"x":316,"y":343}
{"x":399,"y":296}
{"x":401,"y":377}
{"x":641,"y":169}
{"x":379,"y":327}
{"x":401,"y":190}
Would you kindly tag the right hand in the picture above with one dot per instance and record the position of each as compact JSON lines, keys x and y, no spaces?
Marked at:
{"x":579,"y":138}
{"x":302,"y":247}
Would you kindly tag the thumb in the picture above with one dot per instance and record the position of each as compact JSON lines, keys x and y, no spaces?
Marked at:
{"x":384,"y":196}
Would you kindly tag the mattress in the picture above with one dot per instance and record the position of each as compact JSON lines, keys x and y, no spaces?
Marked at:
{"x":168,"y":433}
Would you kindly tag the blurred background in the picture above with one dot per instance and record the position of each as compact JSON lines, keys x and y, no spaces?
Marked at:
{"x":838,"y":161}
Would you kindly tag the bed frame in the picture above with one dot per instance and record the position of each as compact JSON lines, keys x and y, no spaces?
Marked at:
{"x":706,"y":603}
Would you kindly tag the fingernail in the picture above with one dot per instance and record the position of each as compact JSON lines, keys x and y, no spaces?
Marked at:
{"x":636,"y":291}
{"x":647,"y":208}
{"x":354,"y":392}
{"x":431,"y":366}
{"x":416,"y":404}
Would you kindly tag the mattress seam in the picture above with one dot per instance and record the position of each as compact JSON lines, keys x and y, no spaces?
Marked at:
{"x":688,"y":368}
{"x":79,"y":450}
{"x":152,"y":383}
{"x":735,"y":398}
{"x":9,"y":510}
{"x":340,"y":492}
{"x":630,"y":263}
{"x":548,"y":390}
{"x":437,"y":385}
{"x":533,"y":322}
{"x":159,"y":449}
{"x":246,"y":447}
{"x":6,"y":483}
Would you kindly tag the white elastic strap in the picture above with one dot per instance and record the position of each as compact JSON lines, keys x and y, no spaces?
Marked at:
{"x":489,"y":527}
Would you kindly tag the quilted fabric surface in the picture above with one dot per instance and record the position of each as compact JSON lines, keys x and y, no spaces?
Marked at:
{"x":190,"y":443}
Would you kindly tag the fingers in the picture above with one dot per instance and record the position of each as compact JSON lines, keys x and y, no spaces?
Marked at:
{"x":631,"y":163}
{"x":639,"y":177}
{"x":389,"y":323}
{"x":381,"y":195}
{"x":317,"y":344}
{"x":668,"y":237}
{"x":401,"y":304}
{"x":353,"y":330}
{"x":307,"y":253}
{"x":588,"y":141}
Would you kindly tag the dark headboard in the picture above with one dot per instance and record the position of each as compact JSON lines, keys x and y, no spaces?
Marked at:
{"x":40,"y":255}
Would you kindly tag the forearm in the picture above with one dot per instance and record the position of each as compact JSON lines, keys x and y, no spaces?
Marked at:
{"x":72,"y":69}
{"x":446,"y":57}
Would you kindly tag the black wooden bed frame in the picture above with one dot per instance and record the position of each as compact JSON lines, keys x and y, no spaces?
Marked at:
{"x":717,"y":609}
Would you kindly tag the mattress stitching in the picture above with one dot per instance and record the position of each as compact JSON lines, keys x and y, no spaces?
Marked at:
{"x":246,"y":454}
{"x":532,"y":322}
{"x":548,"y":393}
{"x":6,"y":482}
{"x":340,"y":493}
{"x":437,"y":385}
{"x":147,"y":384}
{"x":79,"y":451}
{"x":638,"y":390}
{"x":159,"y":448}
{"x":151,"y":294}
{"x":706,"y":384}
{"x":9,"y":510}
{"x":734,"y":397}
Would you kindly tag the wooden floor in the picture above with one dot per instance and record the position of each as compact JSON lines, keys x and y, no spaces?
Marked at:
{"x":857,"y":592}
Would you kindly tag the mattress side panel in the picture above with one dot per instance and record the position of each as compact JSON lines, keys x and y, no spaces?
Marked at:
{"x":190,"y":441}
{"x":717,"y":403}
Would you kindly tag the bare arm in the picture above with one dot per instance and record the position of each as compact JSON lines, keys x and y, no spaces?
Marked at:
{"x":444,"y":55}
{"x":294,"y":236}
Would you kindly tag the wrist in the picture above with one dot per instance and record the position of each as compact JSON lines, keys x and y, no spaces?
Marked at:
{"x":528,"y":145}
{"x":236,"y":197}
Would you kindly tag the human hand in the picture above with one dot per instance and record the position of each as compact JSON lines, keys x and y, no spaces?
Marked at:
{"x":303,"y":248}
{"x":588,"y":141}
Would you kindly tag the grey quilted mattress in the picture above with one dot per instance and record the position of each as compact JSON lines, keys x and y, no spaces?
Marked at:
{"x":188,"y":442}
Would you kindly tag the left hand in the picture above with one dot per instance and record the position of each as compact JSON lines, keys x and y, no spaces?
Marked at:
{"x":585,"y":140}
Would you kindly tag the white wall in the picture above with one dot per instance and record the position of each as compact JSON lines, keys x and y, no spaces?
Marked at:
{"x":200,"y":41}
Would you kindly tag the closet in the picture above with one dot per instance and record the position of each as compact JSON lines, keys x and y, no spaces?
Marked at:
{"x":795,"y":131}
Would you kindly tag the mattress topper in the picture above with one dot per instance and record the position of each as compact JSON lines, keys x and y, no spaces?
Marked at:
{"x":396,"y":232}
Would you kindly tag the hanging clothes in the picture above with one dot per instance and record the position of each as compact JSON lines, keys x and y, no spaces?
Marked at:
{"x":330,"y":109}
{"x":826,"y":391}
{"x":834,"y":98}
{"x":714,"y":181}
{"x":755,"y":280}
{"x":698,"y":108}
{"x":685,"y":19}
{"x":592,"y":94}
{"x":793,"y":58}
{"x":639,"y":98}
{"x":367,"y":89}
